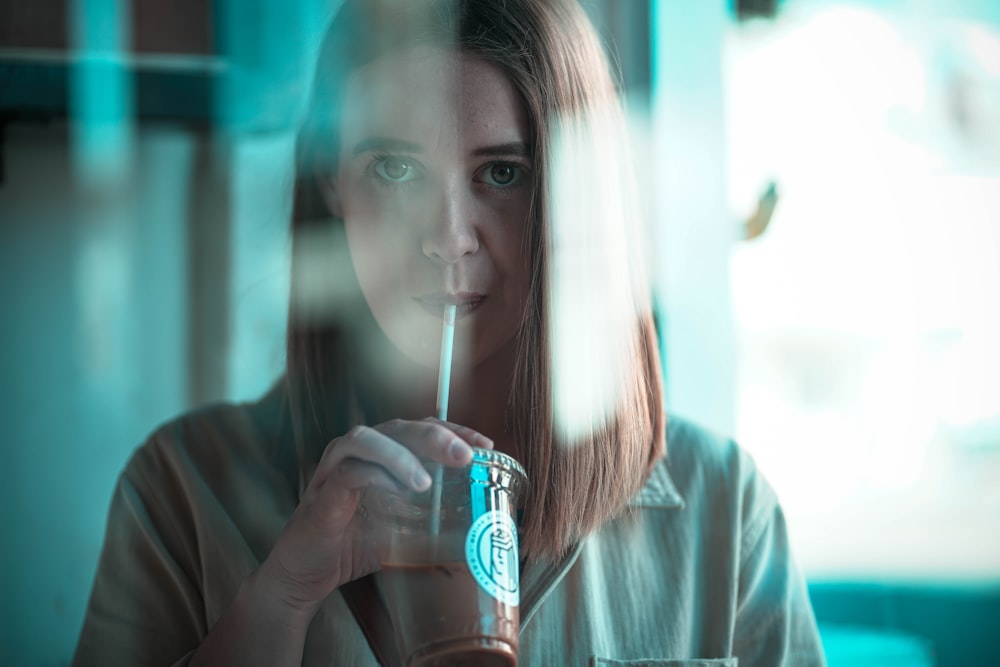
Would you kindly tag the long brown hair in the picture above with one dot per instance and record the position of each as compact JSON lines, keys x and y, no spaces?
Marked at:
{"x":586,"y":451}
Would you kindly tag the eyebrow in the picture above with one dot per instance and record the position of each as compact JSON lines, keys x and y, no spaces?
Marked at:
{"x":513,"y":148}
{"x":389,"y":145}
{"x":385,"y":144}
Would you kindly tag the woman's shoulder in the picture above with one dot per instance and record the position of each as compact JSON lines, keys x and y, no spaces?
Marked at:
{"x":693,"y":450}
{"x":212,"y":441}
{"x":703,"y":465}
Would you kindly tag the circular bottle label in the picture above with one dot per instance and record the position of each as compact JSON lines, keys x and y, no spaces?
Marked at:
{"x":492,"y":556}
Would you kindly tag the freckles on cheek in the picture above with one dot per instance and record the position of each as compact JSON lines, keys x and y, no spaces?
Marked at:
{"x":508,"y":236}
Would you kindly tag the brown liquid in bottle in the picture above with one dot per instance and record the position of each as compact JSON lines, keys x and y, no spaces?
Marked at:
{"x":443,"y":617}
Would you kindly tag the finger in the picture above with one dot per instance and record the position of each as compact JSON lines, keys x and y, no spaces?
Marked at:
{"x":358,"y":474}
{"x":471,"y":436}
{"x":429,"y":439}
{"x":369,"y":445}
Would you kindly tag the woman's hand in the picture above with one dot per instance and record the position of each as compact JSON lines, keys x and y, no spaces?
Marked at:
{"x":323,"y":544}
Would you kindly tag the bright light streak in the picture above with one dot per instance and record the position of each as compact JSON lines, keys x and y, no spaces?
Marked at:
{"x":590,"y":299}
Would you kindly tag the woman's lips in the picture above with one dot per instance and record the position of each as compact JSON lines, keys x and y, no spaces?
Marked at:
{"x":466,"y":303}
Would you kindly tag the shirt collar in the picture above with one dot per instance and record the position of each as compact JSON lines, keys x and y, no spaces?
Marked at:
{"x":658,"y":491}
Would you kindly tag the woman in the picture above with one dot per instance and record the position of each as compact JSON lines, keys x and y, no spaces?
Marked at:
{"x":466,"y":153}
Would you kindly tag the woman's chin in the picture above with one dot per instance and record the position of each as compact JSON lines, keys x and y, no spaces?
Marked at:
{"x":404,"y":364}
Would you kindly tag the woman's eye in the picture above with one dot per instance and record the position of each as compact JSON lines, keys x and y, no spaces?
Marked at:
{"x":395,"y":169}
{"x":502,"y":175}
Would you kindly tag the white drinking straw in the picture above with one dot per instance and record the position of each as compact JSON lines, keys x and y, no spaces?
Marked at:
{"x":444,"y":371}
{"x":444,"y":384}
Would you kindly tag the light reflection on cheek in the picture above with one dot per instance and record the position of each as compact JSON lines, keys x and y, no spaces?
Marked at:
{"x":376,"y":221}
{"x":383,"y":256}
{"x":387,"y":247}
{"x":387,"y":216}
{"x":382,"y":251}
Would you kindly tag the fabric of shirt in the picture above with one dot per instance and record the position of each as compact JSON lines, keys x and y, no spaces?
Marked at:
{"x":696,"y":571}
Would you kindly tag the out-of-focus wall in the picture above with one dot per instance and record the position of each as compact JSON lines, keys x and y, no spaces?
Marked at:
{"x":100,"y":340}
{"x":144,"y":203}
{"x":94,"y":328}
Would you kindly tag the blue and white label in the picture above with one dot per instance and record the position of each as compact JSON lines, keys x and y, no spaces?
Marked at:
{"x":492,"y":556}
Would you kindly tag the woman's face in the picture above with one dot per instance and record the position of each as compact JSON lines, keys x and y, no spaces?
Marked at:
{"x":434,"y":186}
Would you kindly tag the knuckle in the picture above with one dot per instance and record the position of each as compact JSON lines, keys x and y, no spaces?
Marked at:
{"x":433,"y":427}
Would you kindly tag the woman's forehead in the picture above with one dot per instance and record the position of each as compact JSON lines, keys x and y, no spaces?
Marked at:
{"x":431,"y":95}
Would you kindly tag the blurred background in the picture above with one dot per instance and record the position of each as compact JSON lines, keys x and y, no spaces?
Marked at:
{"x":823,"y":179}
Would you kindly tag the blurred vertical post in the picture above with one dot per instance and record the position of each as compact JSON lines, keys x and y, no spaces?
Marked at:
{"x":101,"y":110}
{"x":694,"y":229}
{"x":240,"y":245}
{"x":100,"y":100}
{"x":98,"y":395}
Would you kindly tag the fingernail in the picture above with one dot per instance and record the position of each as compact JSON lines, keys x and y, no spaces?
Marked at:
{"x":421,"y":480}
{"x":459,"y":451}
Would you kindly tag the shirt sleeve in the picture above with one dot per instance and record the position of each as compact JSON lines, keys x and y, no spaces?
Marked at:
{"x":775,"y":624}
{"x":145,"y":608}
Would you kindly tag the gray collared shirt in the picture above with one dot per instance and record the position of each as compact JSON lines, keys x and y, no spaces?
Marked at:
{"x":696,"y":572}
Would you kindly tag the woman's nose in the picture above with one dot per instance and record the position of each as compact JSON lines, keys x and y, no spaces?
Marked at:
{"x":451,"y":233}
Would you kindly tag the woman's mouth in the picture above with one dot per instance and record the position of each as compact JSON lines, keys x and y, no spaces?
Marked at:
{"x":466,"y":303}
